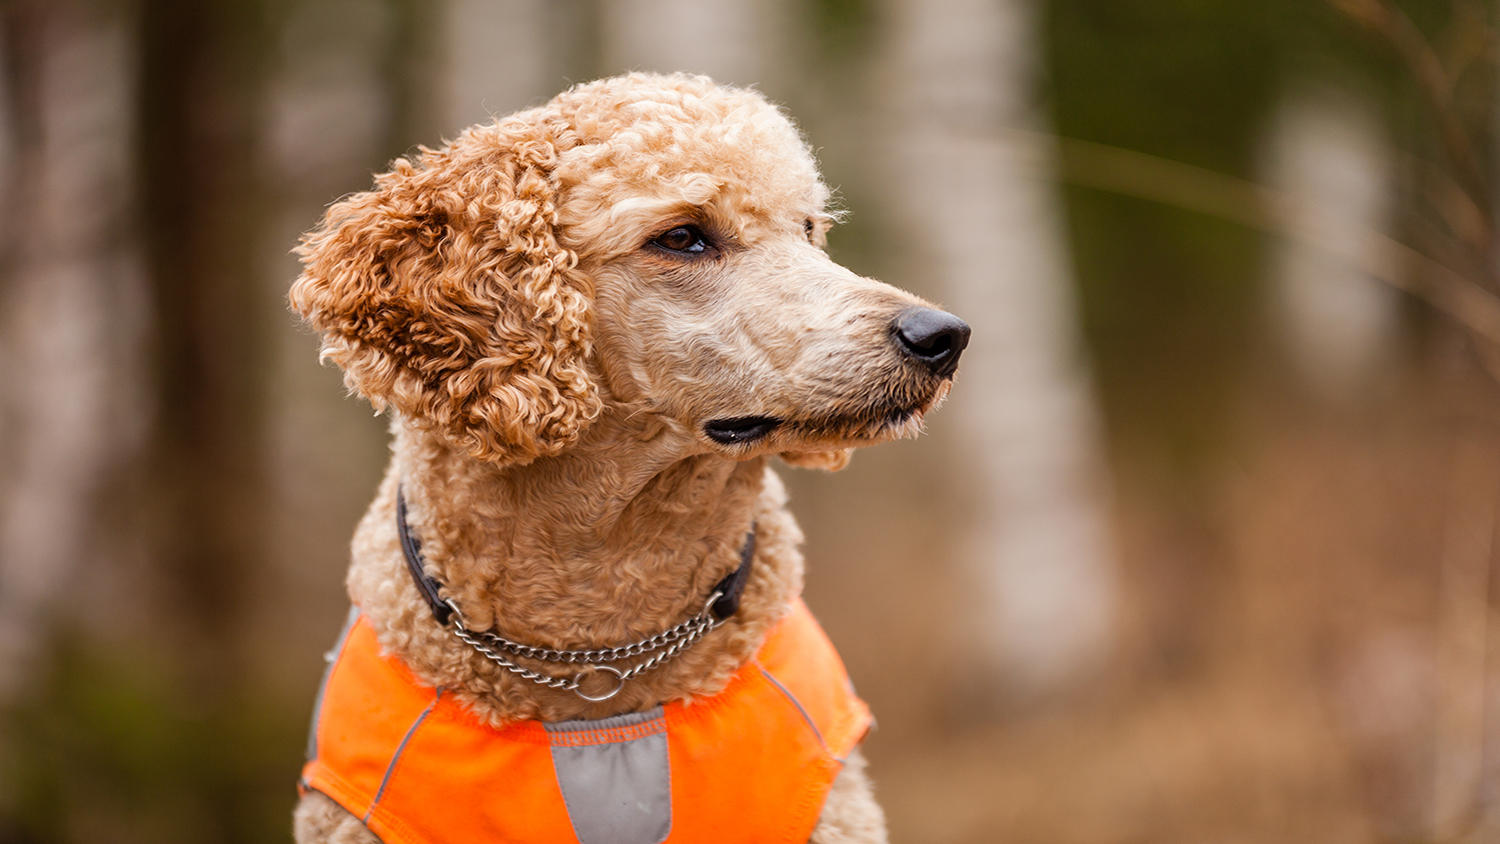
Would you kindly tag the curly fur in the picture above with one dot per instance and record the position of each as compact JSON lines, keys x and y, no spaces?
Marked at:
{"x":445,"y":294}
{"x":552,"y":372}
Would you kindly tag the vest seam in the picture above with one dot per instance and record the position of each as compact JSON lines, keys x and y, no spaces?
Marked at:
{"x":853,"y":735}
{"x":787,"y":693}
{"x":653,"y":723}
{"x":347,"y":795}
{"x":395,"y":830}
{"x":809,"y":810}
{"x":396,"y":757}
{"x":814,"y":794}
{"x":335,"y":656}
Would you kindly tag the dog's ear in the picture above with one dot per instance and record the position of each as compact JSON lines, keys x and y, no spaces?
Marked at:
{"x":444,"y":293}
{"x":830,"y":461}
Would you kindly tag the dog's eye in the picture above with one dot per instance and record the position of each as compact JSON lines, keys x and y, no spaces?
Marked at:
{"x":686,"y":239}
{"x":808,"y":229}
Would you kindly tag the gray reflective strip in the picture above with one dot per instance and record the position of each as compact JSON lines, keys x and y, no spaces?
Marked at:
{"x":396,"y":757}
{"x":331,"y":658}
{"x":615,"y":777}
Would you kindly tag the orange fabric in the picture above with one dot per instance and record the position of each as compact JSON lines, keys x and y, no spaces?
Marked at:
{"x":745,"y":765}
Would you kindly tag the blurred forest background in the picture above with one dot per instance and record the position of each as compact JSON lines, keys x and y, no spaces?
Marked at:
{"x":1201,"y":548}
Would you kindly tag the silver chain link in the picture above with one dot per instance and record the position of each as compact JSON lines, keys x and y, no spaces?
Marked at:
{"x":670,"y":643}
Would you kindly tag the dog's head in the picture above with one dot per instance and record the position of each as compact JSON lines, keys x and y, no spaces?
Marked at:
{"x":650,"y":242}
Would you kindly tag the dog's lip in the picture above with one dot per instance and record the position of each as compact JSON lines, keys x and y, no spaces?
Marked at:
{"x":740,"y":430}
{"x":871,"y":424}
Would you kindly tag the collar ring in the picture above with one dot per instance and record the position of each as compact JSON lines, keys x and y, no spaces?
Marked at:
{"x":619,"y":683}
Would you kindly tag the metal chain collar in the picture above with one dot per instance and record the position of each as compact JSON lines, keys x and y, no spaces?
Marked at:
{"x":720,"y":607}
{"x":671,"y":643}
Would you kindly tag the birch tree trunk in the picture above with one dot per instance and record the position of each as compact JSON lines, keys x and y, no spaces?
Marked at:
{"x":496,"y":59}
{"x":331,"y":116}
{"x":730,"y":40}
{"x":73,"y":310}
{"x":1325,"y":151}
{"x":974,"y":179}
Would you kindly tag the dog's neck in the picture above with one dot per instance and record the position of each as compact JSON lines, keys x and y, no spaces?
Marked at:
{"x":616,"y":541}
{"x":545,"y":550}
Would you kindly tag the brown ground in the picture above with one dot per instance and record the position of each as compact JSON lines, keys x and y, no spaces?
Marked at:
{"x":1302,"y":653}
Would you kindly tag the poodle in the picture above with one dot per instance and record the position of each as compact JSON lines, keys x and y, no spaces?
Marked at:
{"x":592,"y":324}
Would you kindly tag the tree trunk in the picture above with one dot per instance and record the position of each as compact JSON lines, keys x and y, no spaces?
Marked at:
{"x":73,"y":310}
{"x":976,"y":185}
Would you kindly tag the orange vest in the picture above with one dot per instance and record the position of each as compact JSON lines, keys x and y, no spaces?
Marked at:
{"x":753,"y":763}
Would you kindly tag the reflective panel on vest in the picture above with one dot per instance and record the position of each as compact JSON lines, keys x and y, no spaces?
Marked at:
{"x":615,"y":778}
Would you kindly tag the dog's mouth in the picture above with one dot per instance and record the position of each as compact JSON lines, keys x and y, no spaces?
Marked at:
{"x":880,"y":424}
{"x":866,"y":425}
{"x":741,"y":430}
{"x":889,"y":420}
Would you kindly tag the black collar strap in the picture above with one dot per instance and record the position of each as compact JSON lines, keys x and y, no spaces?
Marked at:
{"x":729,"y":589}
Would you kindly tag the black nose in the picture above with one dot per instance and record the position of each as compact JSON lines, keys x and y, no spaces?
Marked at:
{"x":934,"y":338}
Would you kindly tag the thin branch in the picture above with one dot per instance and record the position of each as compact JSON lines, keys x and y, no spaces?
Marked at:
{"x":1185,"y":186}
{"x":1432,"y":80}
{"x":1467,"y":40}
{"x":1454,"y":205}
